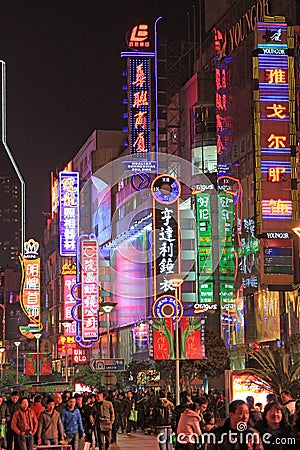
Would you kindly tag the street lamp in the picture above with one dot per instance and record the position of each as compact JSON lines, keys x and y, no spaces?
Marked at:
{"x":17,"y":344}
{"x":66,"y":324}
{"x":176,"y":283}
{"x":2,"y":350}
{"x":108,"y":307}
{"x":38,"y":337}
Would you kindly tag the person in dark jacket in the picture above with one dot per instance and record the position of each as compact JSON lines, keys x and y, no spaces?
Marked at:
{"x":254,"y":414}
{"x":5,"y":418}
{"x":124,"y":411}
{"x":185,"y":400}
{"x":50,"y":428}
{"x":103,"y":416}
{"x":72,"y":423}
{"x":13,"y":405}
{"x":235,"y":434}
{"x":273,"y":427}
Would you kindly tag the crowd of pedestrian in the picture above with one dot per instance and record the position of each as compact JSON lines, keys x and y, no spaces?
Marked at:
{"x":191,"y":425}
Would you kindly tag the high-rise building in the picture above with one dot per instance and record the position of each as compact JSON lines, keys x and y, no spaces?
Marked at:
{"x":12,"y":195}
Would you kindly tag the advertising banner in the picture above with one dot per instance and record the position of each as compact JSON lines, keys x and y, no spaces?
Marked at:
{"x":163,"y":338}
{"x":30,"y":367}
{"x":192,"y":338}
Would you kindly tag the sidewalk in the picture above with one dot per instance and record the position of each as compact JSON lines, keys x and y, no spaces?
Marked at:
{"x":137,"y":440}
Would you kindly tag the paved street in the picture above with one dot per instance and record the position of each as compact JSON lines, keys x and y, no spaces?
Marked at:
{"x":136,"y":441}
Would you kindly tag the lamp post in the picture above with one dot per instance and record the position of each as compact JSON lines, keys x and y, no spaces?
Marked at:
{"x":108,"y":307}
{"x":38,"y":337}
{"x":17,"y":344}
{"x":2,"y":350}
{"x":176,"y":283}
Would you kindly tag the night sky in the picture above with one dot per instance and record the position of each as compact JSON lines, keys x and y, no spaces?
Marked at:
{"x":64,"y":78}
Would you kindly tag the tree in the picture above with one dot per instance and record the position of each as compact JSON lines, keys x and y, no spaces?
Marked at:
{"x":277,"y":369}
{"x":216,"y":361}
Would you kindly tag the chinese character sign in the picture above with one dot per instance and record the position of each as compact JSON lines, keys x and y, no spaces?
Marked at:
{"x":89,"y":290}
{"x":69,"y":303}
{"x":139,"y":105}
{"x":192,"y":337}
{"x":223,"y":118}
{"x":68,"y":212}
{"x":275,"y":132}
{"x":163,"y":338}
{"x":30,"y":289}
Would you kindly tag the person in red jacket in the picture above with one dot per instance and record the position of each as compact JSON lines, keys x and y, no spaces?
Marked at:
{"x":24,"y":423}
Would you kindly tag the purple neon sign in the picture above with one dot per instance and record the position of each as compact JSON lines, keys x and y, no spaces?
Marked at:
{"x":68,"y":212}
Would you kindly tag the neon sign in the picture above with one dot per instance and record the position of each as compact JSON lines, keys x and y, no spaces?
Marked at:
{"x":139,"y":105}
{"x":68,"y":212}
{"x":275,"y":132}
{"x":89,"y":288}
{"x":30,"y":288}
{"x":223,"y":119}
{"x":139,"y":36}
{"x":165,"y":191}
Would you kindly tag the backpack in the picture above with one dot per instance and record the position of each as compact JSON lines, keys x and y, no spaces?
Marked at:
{"x":162,"y":415}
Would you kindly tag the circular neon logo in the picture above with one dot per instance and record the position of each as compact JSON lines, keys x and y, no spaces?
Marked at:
{"x":165,"y":189}
{"x":165,"y":307}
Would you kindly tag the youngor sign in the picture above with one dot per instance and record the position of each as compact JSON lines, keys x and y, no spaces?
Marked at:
{"x":275,"y":130}
{"x":226,"y":42}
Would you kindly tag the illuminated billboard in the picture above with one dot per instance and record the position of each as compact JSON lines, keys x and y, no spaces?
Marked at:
{"x":139,"y":105}
{"x":68,"y":212}
{"x":69,"y":280}
{"x":275,"y":131}
{"x":89,"y":290}
{"x":30,"y":289}
{"x":205,"y":250}
{"x":165,"y":191}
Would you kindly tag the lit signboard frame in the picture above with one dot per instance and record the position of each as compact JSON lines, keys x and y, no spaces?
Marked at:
{"x":89,"y":290}
{"x":68,"y":212}
{"x":30,"y":296}
{"x":275,"y":130}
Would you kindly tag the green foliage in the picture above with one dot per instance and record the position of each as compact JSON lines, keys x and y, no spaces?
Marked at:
{"x":215,"y":363}
{"x":277,"y":368}
{"x":9,"y":377}
{"x":85,"y":375}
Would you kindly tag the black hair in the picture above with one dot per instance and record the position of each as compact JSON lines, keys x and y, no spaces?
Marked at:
{"x":49,"y":400}
{"x":207,"y":416}
{"x":235,"y":404}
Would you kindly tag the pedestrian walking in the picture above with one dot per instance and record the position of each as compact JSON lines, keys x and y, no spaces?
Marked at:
{"x":162,"y":418}
{"x":13,"y":405}
{"x":103,"y":417}
{"x":50,"y":429}
{"x":24,"y":423}
{"x":72,"y":423}
{"x":5,"y":418}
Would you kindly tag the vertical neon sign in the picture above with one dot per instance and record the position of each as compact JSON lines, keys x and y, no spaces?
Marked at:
{"x":89,"y":289}
{"x":139,"y":105}
{"x":275,"y":133}
{"x":30,"y":288}
{"x":68,"y":212}
{"x":165,"y":191}
{"x":205,"y":261}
